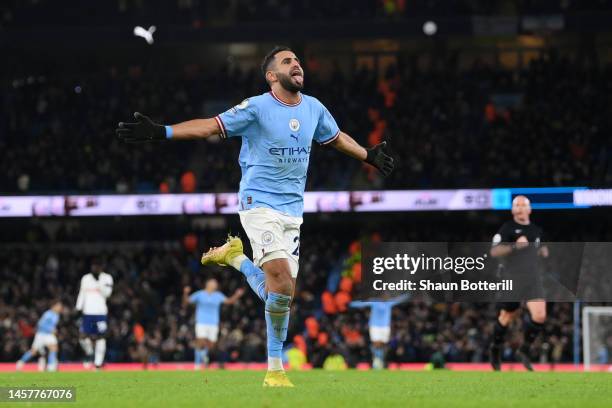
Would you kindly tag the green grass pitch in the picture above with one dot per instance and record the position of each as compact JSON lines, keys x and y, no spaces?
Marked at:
{"x":318,"y":388}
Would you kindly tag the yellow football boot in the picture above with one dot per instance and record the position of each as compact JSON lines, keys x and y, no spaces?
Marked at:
{"x":224,"y":254}
{"x":277,"y":379}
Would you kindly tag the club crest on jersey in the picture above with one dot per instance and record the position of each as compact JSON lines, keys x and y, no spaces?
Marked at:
{"x":267,"y":238}
{"x":294,"y":125}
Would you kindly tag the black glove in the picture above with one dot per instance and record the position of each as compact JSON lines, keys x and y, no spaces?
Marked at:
{"x":379,"y":159}
{"x":145,"y":130}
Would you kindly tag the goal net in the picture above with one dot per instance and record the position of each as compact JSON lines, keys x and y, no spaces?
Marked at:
{"x":596,"y":336}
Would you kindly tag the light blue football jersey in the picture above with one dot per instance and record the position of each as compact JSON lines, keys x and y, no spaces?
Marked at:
{"x":208,"y":306}
{"x":48,"y":322}
{"x":276,"y":142}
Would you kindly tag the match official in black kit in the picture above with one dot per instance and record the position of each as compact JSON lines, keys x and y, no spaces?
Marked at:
{"x":518,"y":246}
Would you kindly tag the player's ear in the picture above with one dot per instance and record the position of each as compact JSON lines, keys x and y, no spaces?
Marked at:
{"x":270,"y":77}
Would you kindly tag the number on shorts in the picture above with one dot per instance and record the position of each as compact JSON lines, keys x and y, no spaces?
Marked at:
{"x":101,"y":326}
{"x":296,"y":252}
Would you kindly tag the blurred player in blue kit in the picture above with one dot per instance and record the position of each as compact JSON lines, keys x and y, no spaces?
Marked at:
{"x":208,"y":303}
{"x":277,"y":130}
{"x":44,"y":338}
{"x":379,"y":325}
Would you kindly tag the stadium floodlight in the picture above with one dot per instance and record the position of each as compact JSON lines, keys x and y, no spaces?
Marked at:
{"x":596,"y":335}
{"x":146,"y":34}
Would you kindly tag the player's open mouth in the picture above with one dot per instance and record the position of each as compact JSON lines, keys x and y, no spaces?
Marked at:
{"x":297,"y":77}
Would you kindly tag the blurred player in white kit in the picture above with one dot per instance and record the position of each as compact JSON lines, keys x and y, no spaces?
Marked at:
{"x":96,"y":288}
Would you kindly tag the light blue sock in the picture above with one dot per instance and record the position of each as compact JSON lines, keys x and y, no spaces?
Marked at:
{"x":255,"y":277}
{"x":198,"y":356}
{"x":378,"y":352}
{"x":26,"y":356}
{"x":52,"y":358}
{"x":277,"y":321}
{"x":205,"y":355}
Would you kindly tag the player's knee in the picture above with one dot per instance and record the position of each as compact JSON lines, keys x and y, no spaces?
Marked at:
{"x":538,"y":316}
{"x":278,"y":269}
{"x":278,"y":274}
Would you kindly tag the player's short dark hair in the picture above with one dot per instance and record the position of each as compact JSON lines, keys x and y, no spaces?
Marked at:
{"x":270,"y":57}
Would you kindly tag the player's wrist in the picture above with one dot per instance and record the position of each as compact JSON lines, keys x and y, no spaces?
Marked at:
{"x":370,"y":156}
{"x":160,"y":132}
{"x":168,"y":132}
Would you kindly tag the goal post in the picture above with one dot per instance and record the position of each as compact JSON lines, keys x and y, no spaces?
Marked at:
{"x":596,"y":335}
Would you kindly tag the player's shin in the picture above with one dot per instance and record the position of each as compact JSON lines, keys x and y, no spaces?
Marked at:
{"x":100,"y":352}
{"x":499,"y":334}
{"x":205,"y":358}
{"x":254,"y":276}
{"x":197,"y":355}
{"x":87,"y":346}
{"x":52,"y":363}
{"x":277,"y":322}
{"x":531,"y":331}
{"x":378,"y":357}
{"x":42,"y":362}
{"x":26,"y":356}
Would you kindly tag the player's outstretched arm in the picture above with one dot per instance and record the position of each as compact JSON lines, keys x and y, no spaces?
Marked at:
{"x":359,"y":304}
{"x":374,"y":156}
{"x":145,"y":130}
{"x":234,"y":298}
{"x":400,"y":299}
{"x":186,"y":292}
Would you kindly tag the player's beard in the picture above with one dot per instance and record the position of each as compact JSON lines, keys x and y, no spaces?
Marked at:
{"x":287,"y":83}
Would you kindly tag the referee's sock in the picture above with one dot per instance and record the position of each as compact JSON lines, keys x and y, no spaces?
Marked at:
{"x":531,"y":331}
{"x":254,"y":275}
{"x":499,"y":333}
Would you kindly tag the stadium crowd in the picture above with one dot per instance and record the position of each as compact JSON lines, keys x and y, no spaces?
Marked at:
{"x":199,"y":13}
{"x":145,"y":308}
{"x":448,"y":127}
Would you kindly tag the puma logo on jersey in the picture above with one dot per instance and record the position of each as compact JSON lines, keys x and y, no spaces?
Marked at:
{"x":294,"y":136}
